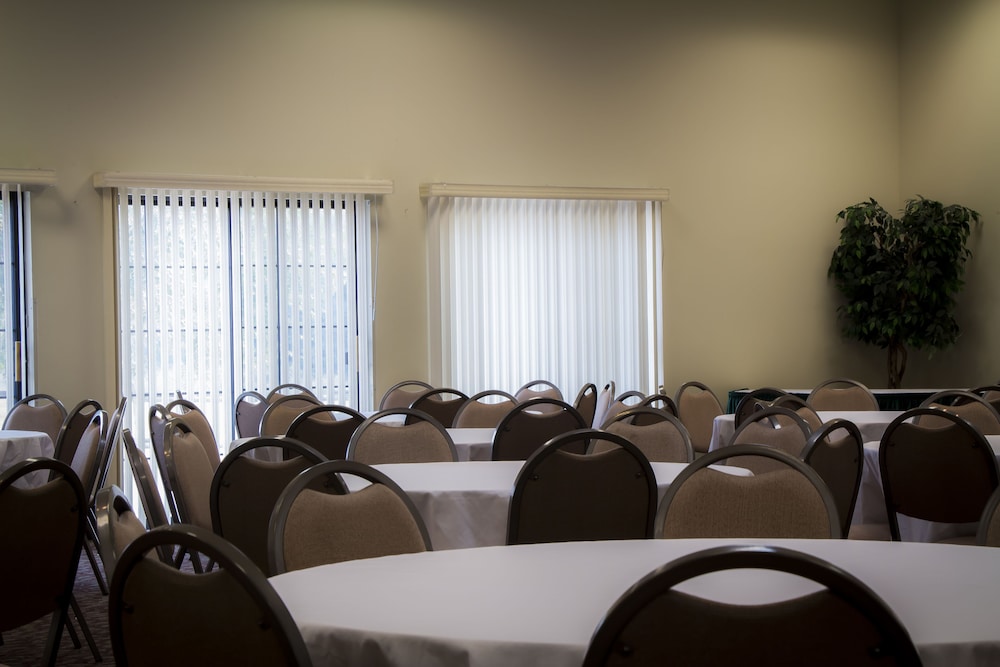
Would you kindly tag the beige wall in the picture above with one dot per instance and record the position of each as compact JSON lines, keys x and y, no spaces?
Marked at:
{"x":763,"y":119}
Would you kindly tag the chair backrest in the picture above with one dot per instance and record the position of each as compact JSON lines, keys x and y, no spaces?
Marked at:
{"x":659,"y":435}
{"x":530,"y":425}
{"x":245,"y":490}
{"x":484,"y":410}
{"x":327,"y":429}
{"x":561,"y":496}
{"x":198,"y":422}
{"x":43,"y":531}
{"x":586,"y":402}
{"x":230,"y":615}
{"x":990,"y":392}
{"x":248,"y":408}
{"x":309,"y":527}
{"x":402,"y":394}
{"x":538,"y":389}
{"x":790,"y":502}
{"x":290,"y":389}
{"x":988,"y":534}
{"x":38,"y":412}
{"x":624,"y":401}
{"x":774,"y":427}
{"x":111,"y":440}
{"x":762,"y":397}
{"x":383,"y":439}
{"x":158,"y":418}
{"x":442,"y":403}
{"x":89,"y":453}
{"x":943,"y":474}
{"x":282,"y":411}
{"x":142,"y":474}
{"x":72,"y":429}
{"x":972,"y":407}
{"x":117,"y":526}
{"x":697,"y":408}
{"x":604,"y":400}
{"x":836,"y":452}
{"x":660,"y":402}
{"x":799,"y":407}
{"x":844,"y":623}
{"x":190,"y":472}
{"x":842,"y":394}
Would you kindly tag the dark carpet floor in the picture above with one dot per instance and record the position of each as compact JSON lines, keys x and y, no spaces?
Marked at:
{"x":25,"y":646}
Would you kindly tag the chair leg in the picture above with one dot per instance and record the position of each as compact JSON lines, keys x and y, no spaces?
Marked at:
{"x":93,"y":564}
{"x":72,"y":632}
{"x":85,"y":629}
{"x":59,"y":621}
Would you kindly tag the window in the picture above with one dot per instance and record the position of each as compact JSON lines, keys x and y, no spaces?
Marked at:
{"x":561,"y":289}
{"x":222,"y":291}
{"x":15,"y":294}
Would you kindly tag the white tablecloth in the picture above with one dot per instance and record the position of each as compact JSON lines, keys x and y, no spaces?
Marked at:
{"x":871,"y":423}
{"x":16,"y":446}
{"x":540,"y":604}
{"x":471,"y":444}
{"x":870,"y":508}
{"x":466,"y":504}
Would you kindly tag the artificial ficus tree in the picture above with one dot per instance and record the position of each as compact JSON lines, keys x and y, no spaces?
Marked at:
{"x":900,"y":276}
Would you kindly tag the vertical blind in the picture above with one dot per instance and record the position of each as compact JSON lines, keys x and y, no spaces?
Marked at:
{"x":556,"y":289}
{"x":223,"y":291}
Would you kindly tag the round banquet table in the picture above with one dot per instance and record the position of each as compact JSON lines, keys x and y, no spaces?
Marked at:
{"x":540,"y":604}
{"x":16,"y":446}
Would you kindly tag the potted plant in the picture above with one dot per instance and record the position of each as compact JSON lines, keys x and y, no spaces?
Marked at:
{"x":899,"y":276}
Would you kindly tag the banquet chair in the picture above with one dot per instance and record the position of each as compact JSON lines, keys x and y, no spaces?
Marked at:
{"x":659,"y":435}
{"x":190,"y":473}
{"x":248,"y":409}
{"x":942,"y":474}
{"x":697,"y":408}
{"x":117,"y":526}
{"x":561,"y":496}
{"x":990,"y":392}
{"x":799,"y":407}
{"x":149,"y":495}
{"x":289,"y":389}
{"x":843,"y":623}
{"x":792,"y":501}
{"x":836,"y":452}
{"x":197,"y":421}
{"x":402,"y":394}
{"x":86,"y":463}
{"x":762,"y":397}
{"x":604,"y":400}
{"x":383,"y":439}
{"x":842,"y":394}
{"x":327,"y":429}
{"x":660,"y":402}
{"x":530,"y":425}
{"x":484,"y":410}
{"x":229,"y":616}
{"x":988,"y":533}
{"x":586,"y":402}
{"x":774,"y":427}
{"x":538,"y":389}
{"x":112,"y":438}
{"x":158,"y":418}
{"x":972,"y":407}
{"x":626,"y":400}
{"x":38,"y":412}
{"x":442,"y":403}
{"x":282,"y":411}
{"x":43,"y":531}
{"x":245,"y":489}
{"x":310,"y":527}
{"x":72,"y":429}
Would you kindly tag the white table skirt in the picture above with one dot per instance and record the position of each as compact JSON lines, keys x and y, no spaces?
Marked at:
{"x":871,"y":423}
{"x":16,"y":446}
{"x":466,"y":504}
{"x":870,"y":508}
{"x":540,"y":604}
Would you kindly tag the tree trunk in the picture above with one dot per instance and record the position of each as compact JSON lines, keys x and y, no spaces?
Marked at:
{"x":897,"y":363}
